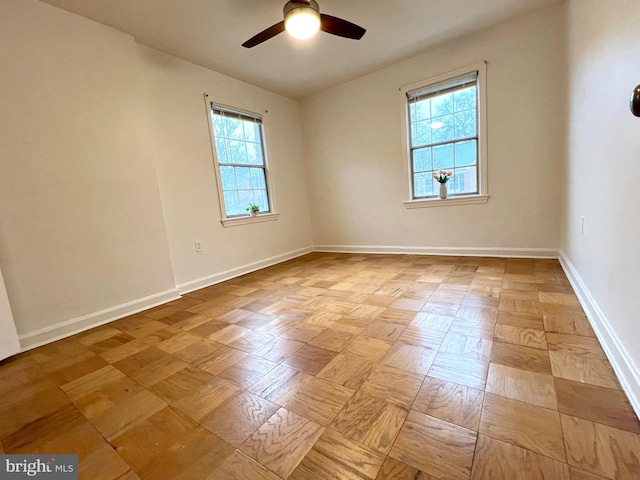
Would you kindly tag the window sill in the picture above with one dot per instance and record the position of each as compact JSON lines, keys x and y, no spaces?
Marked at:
{"x":236,"y":221}
{"x":438,"y":202}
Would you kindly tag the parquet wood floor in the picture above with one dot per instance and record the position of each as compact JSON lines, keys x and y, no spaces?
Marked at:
{"x":336,"y":366}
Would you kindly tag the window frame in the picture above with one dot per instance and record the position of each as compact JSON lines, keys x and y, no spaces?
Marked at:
{"x":482,"y":195}
{"x":236,"y":220}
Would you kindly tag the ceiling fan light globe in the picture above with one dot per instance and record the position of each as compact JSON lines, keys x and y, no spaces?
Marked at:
{"x":302,"y":21}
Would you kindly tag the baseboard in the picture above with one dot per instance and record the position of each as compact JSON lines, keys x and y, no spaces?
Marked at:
{"x":80,"y":324}
{"x":446,"y":251}
{"x":238,"y":271}
{"x":621,"y":361}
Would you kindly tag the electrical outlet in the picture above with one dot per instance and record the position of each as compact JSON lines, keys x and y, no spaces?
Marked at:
{"x":582,"y":225}
{"x":198,"y":245}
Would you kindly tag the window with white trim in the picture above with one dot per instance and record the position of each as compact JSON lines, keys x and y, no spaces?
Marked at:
{"x":241,"y":161}
{"x":445,"y":131}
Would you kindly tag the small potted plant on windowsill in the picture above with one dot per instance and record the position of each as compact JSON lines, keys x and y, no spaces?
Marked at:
{"x":442,"y":177}
{"x":253,"y":209}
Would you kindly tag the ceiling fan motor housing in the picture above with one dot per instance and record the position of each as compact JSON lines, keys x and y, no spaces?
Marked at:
{"x":292,"y":5}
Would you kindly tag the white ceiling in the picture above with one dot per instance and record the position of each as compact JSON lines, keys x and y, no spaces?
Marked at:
{"x":210,"y":33}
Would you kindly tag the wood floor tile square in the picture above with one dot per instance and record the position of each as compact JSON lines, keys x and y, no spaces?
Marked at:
{"x":522,"y":320}
{"x":239,"y":417}
{"x":310,"y":359}
{"x":598,"y":404}
{"x":579,"y":474}
{"x":576,"y":345}
{"x":338,"y":457}
{"x":118,"y":348}
{"x":103,"y":464}
{"x":247,"y":371}
{"x":410,"y":357}
{"x":456,"y":369}
{"x":181,"y":384}
{"x":99,"y":391}
{"x":467,"y":346}
{"x":522,"y":424}
{"x":282,"y":441}
{"x":206,"y":398}
{"x":382,"y":330}
{"x":423,"y":337}
{"x":319,"y":400}
{"x":433,"y":321}
{"x":477,"y":314}
{"x":221,"y":359}
{"x":392,"y":469}
{"x":127,"y":414}
{"x":496,"y":460}
{"x":280,"y":384}
{"x":393,"y":385}
{"x":197,"y":351}
{"x":239,"y":466}
{"x":64,"y":370}
{"x":473,"y":328}
{"x":251,"y":342}
{"x":573,"y":325}
{"x":435,"y":447}
{"x":303,"y":332}
{"x":347,"y":370}
{"x":449,"y":294}
{"x":583,"y":369}
{"x":194,"y":456}
{"x":177,"y":341}
{"x":369,"y":348}
{"x":279,"y":349}
{"x":526,"y":337}
{"x":370,"y":421}
{"x":392,"y":315}
{"x":333,"y":340}
{"x":524,"y":358}
{"x":450,"y":402}
{"x":606,"y":451}
{"x":152,"y":436}
{"x":529,"y":387}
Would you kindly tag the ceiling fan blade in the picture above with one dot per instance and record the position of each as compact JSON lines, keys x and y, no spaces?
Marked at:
{"x":340,"y":27}
{"x":265,"y":35}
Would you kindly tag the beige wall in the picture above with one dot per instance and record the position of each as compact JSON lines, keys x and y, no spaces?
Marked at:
{"x":106,"y":175}
{"x":182,"y":149}
{"x":356,"y":170}
{"x":81,"y":227}
{"x":603,"y":168}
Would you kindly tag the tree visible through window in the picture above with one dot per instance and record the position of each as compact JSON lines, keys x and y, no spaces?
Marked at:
{"x":443,"y":121}
{"x":241,"y":160}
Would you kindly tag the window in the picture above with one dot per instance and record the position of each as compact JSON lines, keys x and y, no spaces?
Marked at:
{"x":445,"y":131}
{"x":240,"y":154}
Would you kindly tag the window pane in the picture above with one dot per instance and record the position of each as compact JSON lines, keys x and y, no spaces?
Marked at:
{"x":422,"y":159}
{"x":245,"y":198}
{"x":442,"y":129}
{"x":251,"y":132}
{"x":465,"y":98}
{"x":422,"y":185}
{"x":421,"y":133}
{"x":228,"y":176}
{"x":243,"y":178}
{"x":234,"y":128}
{"x":254,"y":154}
{"x":442,"y":104}
{"x":257,"y":178}
{"x":465,"y":180}
{"x":421,"y":110}
{"x":260,"y":197}
{"x":443,"y":157}
{"x":466,"y":153}
{"x":465,"y":124}
{"x":237,"y":152}
{"x":218,"y":126}
{"x":231,"y":203}
{"x":221,"y":150}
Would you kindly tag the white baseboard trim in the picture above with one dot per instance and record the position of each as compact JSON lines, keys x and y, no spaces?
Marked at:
{"x":445,"y":251}
{"x":70,"y":327}
{"x":241,"y":270}
{"x":621,"y":361}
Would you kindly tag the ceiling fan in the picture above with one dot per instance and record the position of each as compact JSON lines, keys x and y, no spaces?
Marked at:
{"x":302,"y":19}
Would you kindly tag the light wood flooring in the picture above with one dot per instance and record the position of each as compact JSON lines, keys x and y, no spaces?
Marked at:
{"x":336,"y":367}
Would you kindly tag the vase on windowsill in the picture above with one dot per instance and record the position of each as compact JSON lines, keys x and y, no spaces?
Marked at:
{"x":442,"y":177}
{"x":443,"y":190}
